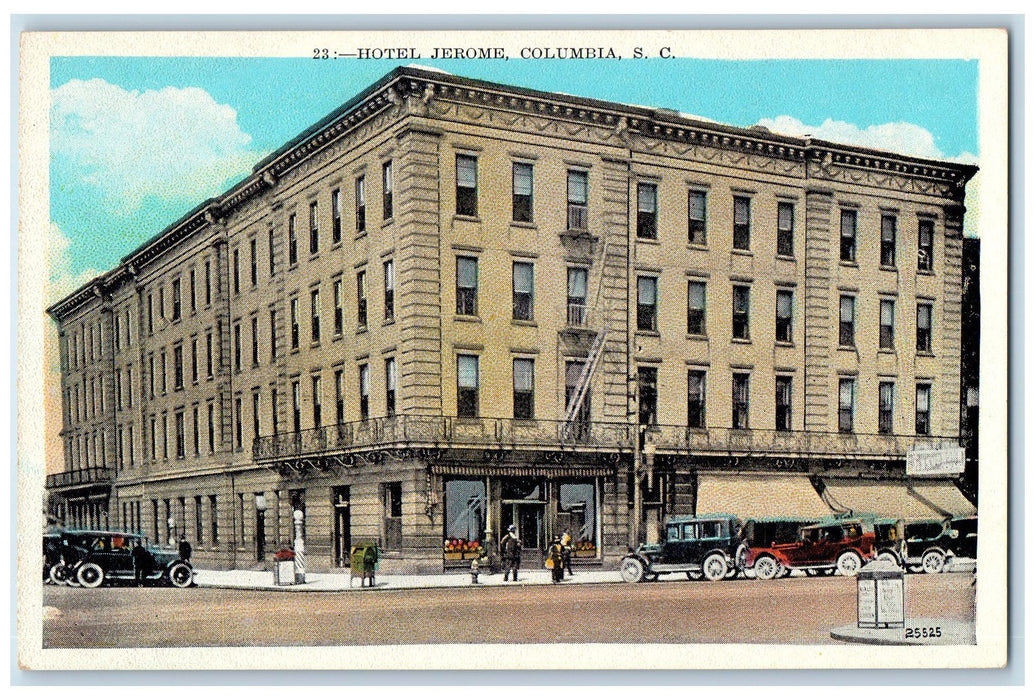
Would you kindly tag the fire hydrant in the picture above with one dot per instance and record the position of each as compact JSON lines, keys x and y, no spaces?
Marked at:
{"x":474,"y":571}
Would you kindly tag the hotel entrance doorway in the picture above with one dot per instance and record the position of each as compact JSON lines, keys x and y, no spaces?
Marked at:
{"x":523,"y":504}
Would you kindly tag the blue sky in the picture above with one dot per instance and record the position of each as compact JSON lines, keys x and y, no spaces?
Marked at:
{"x":138,"y":142}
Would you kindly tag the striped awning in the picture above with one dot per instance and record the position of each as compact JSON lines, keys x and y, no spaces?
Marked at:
{"x":943,"y":497}
{"x":523,"y":470}
{"x":886,"y":499}
{"x":759,"y":496}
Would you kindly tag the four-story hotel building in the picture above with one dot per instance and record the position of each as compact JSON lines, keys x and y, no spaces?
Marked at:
{"x":451,"y":306}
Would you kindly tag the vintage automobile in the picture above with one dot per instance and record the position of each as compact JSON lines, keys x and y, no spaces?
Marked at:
{"x":840,"y":545}
{"x":759,"y":532}
{"x":697,"y":546}
{"x":930,"y":545}
{"x":91,"y":557}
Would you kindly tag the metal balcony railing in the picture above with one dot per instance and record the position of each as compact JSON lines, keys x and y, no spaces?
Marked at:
{"x":510,"y":433}
{"x":81,"y":477}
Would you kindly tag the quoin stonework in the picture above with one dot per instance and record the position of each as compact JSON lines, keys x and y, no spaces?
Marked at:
{"x":452,"y":306}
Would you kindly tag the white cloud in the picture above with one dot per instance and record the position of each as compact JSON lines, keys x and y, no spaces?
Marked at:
{"x":172,"y":143}
{"x":62,"y":280}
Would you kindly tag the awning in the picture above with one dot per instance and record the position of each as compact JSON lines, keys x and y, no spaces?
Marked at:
{"x":759,"y":496}
{"x":886,"y":499}
{"x":943,"y":496}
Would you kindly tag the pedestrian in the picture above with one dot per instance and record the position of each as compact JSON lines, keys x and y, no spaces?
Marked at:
{"x":143,"y":563}
{"x":184,"y":548}
{"x":510,"y":553}
{"x":566,"y":552}
{"x":555,"y":560}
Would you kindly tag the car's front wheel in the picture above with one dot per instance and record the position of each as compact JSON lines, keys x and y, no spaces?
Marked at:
{"x":933,"y":562}
{"x":766,"y":568}
{"x":715,"y":567}
{"x":180,"y":575}
{"x":632,"y":570}
{"x":849,"y":563}
{"x":90,"y":575}
{"x":59,"y":574}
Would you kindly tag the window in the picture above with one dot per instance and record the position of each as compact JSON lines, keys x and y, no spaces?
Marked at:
{"x":165,"y":436}
{"x":314,"y":314}
{"x":849,"y":218}
{"x":741,"y":312}
{"x":389,"y":269}
{"x":177,"y":367}
{"x":391,"y":382}
{"x":199,"y":532}
{"x":181,"y":451}
{"x":294,"y":323}
{"x":296,"y":406}
{"x":888,"y":223}
{"x":335,"y":217}
{"x":364,"y":392}
{"x":194,"y":360}
{"x":740,"y":400}
{"x":846,"y":327}
{"x":784,"y":315}
{"x":845,"y":404}
{"x":273,"y":334}
{"x":361,"y":204}
{"x":925,"y":251}
{"x":524,"y":389}
{"x":386,"y":189}
{"x":578,"y":200}
{"x":646,"y":303}
{"x":292,"y":240}
{"x":466,"y":286}
{"x":237,"y":347}
{"x":647,"y":386}
{"x":466,"y":185}
{"x":238,"y":430}
{"x":578,"y":278}
{"x":923,"y":327}
{"x":150,"y":317}
{"x":272,"y":257}
{"x":522,"y":192}
{"x":339,"y":312}
{"x":361,"y":299}
{"x":317,"y":386}
{"x":742,"y":223}
{"x":339,"y":396}
{"x":523,"y":280}
{"x":193,"y":292}
{"x":886,"y":408}
{"x":391,"y":501}
{"x":695,"y":398}
{"x":695,"y":308}
{"x":208,"y":283}
{"x":785,"y":229}
{"x":255,"y":341}
{"x":176,"y":299}
{"x":783,"y":403}
{"x":887,"y":324}
{"x":208,"y":354}
{"x":647,"y":210}
{"x":697,"y":212}
{"x":196,"y":426}
{"x":314,"y":228}
{"x":275,"y":424}
{"x":211,"y":427}
{"x":165,"y":372}
{"x":467,"y":386}
{"x":237,"y":271}
{"x":213,"y":513}
{"x":923,"y":409}
{"x":161,"y":312}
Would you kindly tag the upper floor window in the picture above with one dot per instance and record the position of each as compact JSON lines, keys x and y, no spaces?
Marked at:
{"x":176,"y":299}
{"x":339,"y":319}
{"x":467,"y":386}
{"x":925,"y":251}
{"x":361,"y":204}
{"x":466,"y":286}
{"x":466,"y":185}
{"x":237,"y":271}
{"x":846,"y":327}
{"x":695,"y":403}
{"x":386,"y":190}
{"x":742,"y":223}
{"x":923,"y":409}
{"x":314,"y":314}
{"x":253,"y":246}
{"x":740,"y":399}
{"x":364,"y":391}
{"x":578,"y":200}
{"x":523,"y":280}
{"x":845,"y":404}
{"x":647,"y":386}
{"x":784,"y":315}
{"x":389,"y":270}
{"x":647,"y":210}
{"x":578,"y":279}
{"x":785,"y":229}
{"x":524,"y":389}
{"x":317,"y":401}
{"x":294,"y":323}
{"x":391,"y":383}
{"x":255,"y":341}
{"x":647,"y":303}
{"x":695,"y":308}
{"x":292,"y":240}
{"x":522,"y":192}
{"x":888,"y":224}
{"x":339,"y":396}
{"x":361,"y":298}
{"x":849,"y":218}
{"x":697,"y":214}
{"x":783,"y":403}
{"x":271,"y":242}
{"x":335,"y":216}
{"x":887,"y":324}
{"x":923,"y":327}
{"x":314,"y":229}
{"x":886,"y":407}
{"x":741,"y":312}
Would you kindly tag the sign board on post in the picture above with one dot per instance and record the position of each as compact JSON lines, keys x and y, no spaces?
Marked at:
{"x":947,"y":461}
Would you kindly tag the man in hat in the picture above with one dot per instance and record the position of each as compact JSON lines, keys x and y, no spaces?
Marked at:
{"x":510,"y":553}
{"x":184,"y":548}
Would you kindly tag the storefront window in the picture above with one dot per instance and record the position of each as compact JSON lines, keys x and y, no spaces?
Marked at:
{"x":465,"y":518}
{"x":577,"y":512}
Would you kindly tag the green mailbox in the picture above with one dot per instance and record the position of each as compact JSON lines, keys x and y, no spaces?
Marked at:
{"x":363,"y":564}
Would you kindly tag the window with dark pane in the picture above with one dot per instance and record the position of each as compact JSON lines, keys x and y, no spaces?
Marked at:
{"x":742,"y":223}
{"x":697,"y":211}
{"x":522,"y":192}
{"x":578,"y":200}
{"x":467,"y":386}
{"x":466,"y":286}
{"x":524,"y":388}
{"x":466,"y":185}
{"x":695,"y":308}
{"x":741,"y":311}
{"x":647,"y":210}
{"x":523,"y":281}
{"x":647,"y":303}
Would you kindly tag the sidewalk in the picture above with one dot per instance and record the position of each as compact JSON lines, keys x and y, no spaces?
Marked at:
{"x":323,"y":581}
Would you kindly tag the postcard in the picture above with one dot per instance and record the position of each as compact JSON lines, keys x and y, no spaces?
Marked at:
{"x":518,"y":349}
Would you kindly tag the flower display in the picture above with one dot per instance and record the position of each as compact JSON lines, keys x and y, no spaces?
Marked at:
{"x":458,"y":545}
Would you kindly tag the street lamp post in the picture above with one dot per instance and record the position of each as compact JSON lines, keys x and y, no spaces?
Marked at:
{"x":299,"y":547}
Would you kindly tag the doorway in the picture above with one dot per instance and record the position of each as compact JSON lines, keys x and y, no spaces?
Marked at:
{"x":342,"y":527}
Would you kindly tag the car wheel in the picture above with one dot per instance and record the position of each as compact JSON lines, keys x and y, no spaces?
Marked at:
{"x":766,"y":568}
{"x":714,"y":567}
{"x":933,"y":562}
{"x":694,"y":575}
{"x":59,"y":574}
{"x":889,"y":557}
{"x":180,"y":575}
{"x":90,"y":575}
{"x":849,"y":563}
{"x":632,"y":570}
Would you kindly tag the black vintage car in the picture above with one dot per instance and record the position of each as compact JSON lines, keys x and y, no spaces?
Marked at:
{"x":929,"y":545}
{"x":91,"y":557}
{"x":697,"y":546}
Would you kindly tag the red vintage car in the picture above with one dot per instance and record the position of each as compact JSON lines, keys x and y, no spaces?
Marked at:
{"x":842,"y":546}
